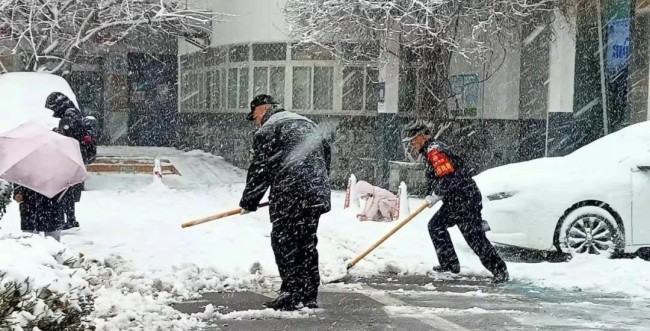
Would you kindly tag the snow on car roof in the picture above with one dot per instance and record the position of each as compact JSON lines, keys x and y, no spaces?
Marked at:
{"x":617,"y":146}
{"x":23,"y":96}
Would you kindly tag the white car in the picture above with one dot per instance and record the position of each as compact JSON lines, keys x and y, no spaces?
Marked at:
{"x":595,"y":200}
{"x":23,"y":96}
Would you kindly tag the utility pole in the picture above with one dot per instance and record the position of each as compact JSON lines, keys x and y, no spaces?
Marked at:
{"x":388,"y":126}
{"x":601,"y":52}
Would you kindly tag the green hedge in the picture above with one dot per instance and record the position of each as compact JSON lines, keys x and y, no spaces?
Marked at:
{"x":5,"y":197}
{"x":23,"y":307}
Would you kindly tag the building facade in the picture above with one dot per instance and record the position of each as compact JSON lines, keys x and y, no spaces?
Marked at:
{"x":541,"y":96}
{"x":130,"y":87}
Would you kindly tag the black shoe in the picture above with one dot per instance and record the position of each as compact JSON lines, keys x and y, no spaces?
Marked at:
{"x":268,"y":304}
{"x":285,"y":302}
{"x":453,"y":270}
{"x":310,"y":301}
{"x":501,"y":277}
{"x":312,"y":304}
{"x":70,"y":225}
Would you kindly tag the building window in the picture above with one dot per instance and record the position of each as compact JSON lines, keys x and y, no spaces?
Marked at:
{"x":224,"y":87}
{"x":276,"y":83}
{"x":313,"y":87}
{"x":238,"y":87}
{"x":302,"y":88}
{"x":260,"y":80}
{"x":310,"y":52}
{"x":238,"y":53}
{"x":184,"y":91}
{"x":360,"y":88}
{"x":270,"y":52}
{"x":269,"y":80}
{"x":232,"y":87}
{"x":243,"y":88}
{"x":215,"y":89}
{"x":467,"y":92}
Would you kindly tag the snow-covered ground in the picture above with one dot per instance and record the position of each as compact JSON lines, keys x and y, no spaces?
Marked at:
{"x":134,"y":227}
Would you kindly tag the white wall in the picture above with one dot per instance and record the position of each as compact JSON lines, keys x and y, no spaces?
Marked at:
{"x":246,"y":21}
{"x":254,"y":21}
{"x":501,"y":89}
{"x":562,"y":65}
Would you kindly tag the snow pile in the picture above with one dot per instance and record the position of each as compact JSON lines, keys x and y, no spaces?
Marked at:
{"x":592,"y":273}
{"x":211,"y":313}
{"x":5,"y":197}
{"x":130,"y":300}
{"x":41,"y":285}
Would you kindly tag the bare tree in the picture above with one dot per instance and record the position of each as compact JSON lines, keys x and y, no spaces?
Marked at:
{"x":428,"y":33}
{"x":48,"y":31}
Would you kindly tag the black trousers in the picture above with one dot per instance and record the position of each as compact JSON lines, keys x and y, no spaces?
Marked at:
{"x":69,"y":210}
{"x":469,"y":222}
{"x":294,"y":240}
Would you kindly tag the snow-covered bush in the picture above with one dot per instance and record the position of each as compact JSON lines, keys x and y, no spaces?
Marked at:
{"x":5,"y":197}
{"x":42,"y":286}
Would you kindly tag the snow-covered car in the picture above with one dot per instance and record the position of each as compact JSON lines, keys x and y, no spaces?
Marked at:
{"x":595,"y":200}
{"x":23,"y":96}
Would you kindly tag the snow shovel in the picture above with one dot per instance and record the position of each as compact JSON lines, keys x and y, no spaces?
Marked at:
{"x":217,"y":216}
{"x":380,"y":241}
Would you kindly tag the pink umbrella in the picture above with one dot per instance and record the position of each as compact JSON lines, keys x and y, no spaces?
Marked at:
{"x":40,"y":159}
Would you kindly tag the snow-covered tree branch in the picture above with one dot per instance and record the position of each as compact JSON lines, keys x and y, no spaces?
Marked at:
{"x":428,"y":32}
{"x":53,"y":30}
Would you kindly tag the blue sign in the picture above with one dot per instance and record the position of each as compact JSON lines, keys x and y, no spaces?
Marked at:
{"x":618,"y":45}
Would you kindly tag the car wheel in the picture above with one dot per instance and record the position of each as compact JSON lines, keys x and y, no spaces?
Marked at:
{"x":590,"y":230}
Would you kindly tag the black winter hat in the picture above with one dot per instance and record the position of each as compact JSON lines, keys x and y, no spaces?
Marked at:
{"x":414,"y":130}
{"x":59,"y":103}
{"x":262,"y":99}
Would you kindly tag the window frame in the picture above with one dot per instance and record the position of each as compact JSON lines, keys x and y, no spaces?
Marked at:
{"x":454,"y":106}
{"x":217,"y":98}
{"x":366,"y":80}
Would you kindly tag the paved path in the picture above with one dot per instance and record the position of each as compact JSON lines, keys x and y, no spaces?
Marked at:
{"x":423,"y":303}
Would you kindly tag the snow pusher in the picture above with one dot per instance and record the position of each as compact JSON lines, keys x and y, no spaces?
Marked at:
{"x":217,"y":216}
{"x":356,"y":260}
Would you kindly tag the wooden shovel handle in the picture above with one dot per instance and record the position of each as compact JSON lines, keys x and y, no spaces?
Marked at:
{"x":217,"y":216}
{"x":386,"y":236}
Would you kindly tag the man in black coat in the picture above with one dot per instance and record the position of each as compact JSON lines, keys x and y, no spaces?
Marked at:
{"x":450,"y":178}
{"x":291,"y":157}
{"x":72,"y":125}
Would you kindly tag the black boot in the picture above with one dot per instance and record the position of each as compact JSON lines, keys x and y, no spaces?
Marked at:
{"x":285,"y":301}
{"x":453,"y":270}
{"x":272,"y":302}
{"x":501,"y":277}
{"x":310,"y":301}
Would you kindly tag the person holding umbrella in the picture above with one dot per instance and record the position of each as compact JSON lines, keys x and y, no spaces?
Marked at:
{"x":72,"y":125}
{"x":42,"y":165}
{"x":39,"y":213}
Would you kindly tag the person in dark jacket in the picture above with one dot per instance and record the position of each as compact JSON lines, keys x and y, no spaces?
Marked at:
{"x":450,"y":178}
{"x":39,"y":213}
{"x":290,"y":156}
{"x":71,"y":124}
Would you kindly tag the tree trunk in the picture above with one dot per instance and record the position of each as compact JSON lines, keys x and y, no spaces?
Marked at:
{"x":435,"y":89}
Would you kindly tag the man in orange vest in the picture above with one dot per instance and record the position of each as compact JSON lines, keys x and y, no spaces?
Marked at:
{"x":450,"y":180}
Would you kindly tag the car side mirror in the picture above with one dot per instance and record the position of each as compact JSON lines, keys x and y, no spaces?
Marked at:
{"x":643,"y":167}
